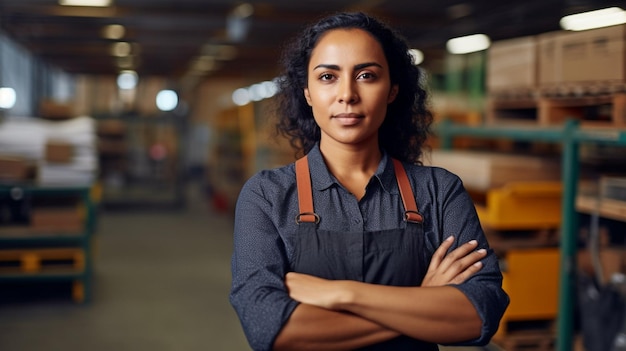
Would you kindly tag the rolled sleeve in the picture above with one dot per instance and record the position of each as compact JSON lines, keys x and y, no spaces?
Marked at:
{"x":483,"y":289}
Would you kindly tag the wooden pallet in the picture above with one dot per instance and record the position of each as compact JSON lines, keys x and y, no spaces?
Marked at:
{"x":585,"y":88}
{"x":33,"y":261}
{"x":595,"y":110}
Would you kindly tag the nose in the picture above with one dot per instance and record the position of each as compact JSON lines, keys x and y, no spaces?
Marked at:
{"x":347,"y":92}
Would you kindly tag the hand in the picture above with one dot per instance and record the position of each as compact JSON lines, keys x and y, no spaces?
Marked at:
{"x":456,"y":266}
{"x":313,"y":290}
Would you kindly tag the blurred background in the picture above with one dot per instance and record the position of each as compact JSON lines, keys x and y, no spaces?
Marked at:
{"x":127,"y":128}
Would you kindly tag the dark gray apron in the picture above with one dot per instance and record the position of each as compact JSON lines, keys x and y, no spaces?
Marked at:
{"x":390,"y":257}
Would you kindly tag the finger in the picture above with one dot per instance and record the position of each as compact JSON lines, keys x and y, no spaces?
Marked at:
{"x":441,"y":252}
{"x":457,"y":254}
{"x":466,"y":274}
{"x":467,"y":262}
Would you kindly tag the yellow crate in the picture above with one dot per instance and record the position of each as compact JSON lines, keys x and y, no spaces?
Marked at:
{"x":522,"y":206}
{"x":531,"y":278}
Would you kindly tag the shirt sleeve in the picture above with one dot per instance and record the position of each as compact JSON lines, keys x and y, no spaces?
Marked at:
{"x":259,"y":264}
{"x":484,"y":289}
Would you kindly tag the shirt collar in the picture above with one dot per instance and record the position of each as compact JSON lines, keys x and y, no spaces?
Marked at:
{"x":321,"y":178}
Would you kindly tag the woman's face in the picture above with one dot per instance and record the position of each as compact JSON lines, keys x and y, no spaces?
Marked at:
{"x":349,"y":87}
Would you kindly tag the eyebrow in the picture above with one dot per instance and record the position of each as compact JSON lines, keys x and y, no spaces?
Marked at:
{"x":356,"y":67}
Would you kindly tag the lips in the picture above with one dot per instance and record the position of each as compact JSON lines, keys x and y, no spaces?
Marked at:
{"x":348,"y":119}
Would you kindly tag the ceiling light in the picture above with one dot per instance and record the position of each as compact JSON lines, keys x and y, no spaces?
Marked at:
{"x":93,"y":3}
{"x":241,"y":97}
{"x":270,"y":88}
{"x":167,"y":100}
{"x":7,"y":98}
{"x":594,"y":19}
{"x":121,"y":49}
{"x":417,"y":55}
{"x":114,"y":31}
{"x":127,"y":80}
{"x":467,"y":44}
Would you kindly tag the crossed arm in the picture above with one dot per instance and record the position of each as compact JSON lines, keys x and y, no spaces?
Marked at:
{"x":339,"y":315}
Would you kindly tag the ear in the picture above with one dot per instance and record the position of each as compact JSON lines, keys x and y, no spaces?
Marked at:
{"x":392,"y":93}
{"x":307,"y":96}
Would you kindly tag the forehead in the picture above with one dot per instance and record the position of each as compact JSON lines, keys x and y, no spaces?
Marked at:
{"x":348,"y":45}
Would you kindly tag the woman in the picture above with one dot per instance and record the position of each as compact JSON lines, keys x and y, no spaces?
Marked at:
{"x":330,"y":252}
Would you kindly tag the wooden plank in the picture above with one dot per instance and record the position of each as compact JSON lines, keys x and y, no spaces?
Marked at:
{"x":482,"y":171}
{"x":607,"y":208}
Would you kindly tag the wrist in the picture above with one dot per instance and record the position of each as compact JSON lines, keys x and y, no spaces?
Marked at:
{"x":346,"y":295}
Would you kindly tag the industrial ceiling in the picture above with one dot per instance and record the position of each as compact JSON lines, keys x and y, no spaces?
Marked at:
{"x":174,"y":38}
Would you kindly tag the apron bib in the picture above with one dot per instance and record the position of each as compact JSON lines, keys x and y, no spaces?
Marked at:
{"x":393,"y":257}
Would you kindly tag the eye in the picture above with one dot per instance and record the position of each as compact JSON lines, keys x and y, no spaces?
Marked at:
{"x":366,"y":76}
{"x":326,"y":76}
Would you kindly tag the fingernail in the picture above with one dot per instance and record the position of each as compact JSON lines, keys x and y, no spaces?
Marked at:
{"x":482,"y":251}
{"x":478,"y":264}
{"x":473,"y":242}
{"x":450,"y":238}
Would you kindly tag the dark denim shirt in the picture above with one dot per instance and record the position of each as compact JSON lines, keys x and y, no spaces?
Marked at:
{"x":265,"y":227}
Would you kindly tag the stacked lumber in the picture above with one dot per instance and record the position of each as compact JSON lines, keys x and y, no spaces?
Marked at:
{"x":484,"y":170}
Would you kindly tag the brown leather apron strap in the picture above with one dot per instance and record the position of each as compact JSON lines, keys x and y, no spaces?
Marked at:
{"x":305,"y":194}
{"x":408,"y":200}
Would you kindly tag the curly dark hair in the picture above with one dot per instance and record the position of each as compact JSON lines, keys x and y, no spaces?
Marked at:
{"x":407,"y":123}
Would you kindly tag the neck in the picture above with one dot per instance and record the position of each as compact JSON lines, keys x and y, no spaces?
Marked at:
{"x":354,"y":159}
{"x":352,"y":166}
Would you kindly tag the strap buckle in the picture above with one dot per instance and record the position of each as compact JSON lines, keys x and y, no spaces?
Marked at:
{"x":307,"y":217}
{"x":413,"y":217}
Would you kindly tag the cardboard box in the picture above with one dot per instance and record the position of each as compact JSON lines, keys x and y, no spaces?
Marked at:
{"x":512,"y":64}
{"x":16,"y":169}
{"x":549,"y":59}
{"x":56,"y":219}
{"x":50,"y":109}
{"x":585,"y":57}
{"x":58,"y":151}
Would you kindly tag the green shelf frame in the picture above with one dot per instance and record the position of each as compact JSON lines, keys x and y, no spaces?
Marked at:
{"x":570,"y":135}
{"x":81,"y":240}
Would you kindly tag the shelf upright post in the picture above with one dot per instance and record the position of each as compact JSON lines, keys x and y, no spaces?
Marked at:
{"x":87,"y":245}
{"x":444,"y":134}
{"x":568,"y":240}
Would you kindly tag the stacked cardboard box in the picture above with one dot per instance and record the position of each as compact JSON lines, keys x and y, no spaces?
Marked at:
{"x":560,"y":62}
{"x":512,"y":67}
{"x":589,"y":61}
{"x":63,"y":151}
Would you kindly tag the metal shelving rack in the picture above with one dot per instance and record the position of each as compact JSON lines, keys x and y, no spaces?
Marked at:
{"x":80,"y":240}
{"x":147,"y":191}
{"x":570,"y":136}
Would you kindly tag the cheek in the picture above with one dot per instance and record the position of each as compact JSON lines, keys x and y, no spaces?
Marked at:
{"x":319,"y":97}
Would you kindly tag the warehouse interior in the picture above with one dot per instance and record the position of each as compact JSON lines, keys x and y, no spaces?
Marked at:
{"x":127,"y":130}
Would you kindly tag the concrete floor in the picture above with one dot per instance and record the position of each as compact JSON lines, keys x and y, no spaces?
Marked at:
{"x":161,"y":283}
